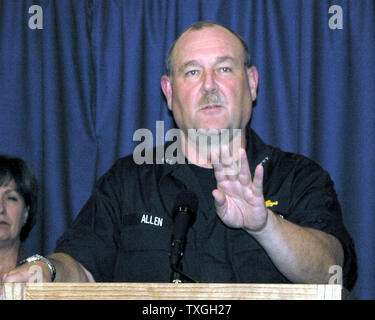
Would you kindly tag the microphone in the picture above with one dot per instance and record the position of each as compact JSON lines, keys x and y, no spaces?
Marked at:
{"x":184,"y":214}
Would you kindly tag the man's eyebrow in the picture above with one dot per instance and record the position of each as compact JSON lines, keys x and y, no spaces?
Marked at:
{"x":188,"y":64}
{"x":193,"y":63}
{"x":224,"y":59}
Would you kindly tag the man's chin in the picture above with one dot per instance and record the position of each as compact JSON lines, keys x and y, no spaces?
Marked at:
{"x":209,"y":131}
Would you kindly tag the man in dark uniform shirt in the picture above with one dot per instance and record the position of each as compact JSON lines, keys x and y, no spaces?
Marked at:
{"x":275,"y":218}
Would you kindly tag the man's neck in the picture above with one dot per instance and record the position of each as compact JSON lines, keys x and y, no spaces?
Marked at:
{"x":198,"y":148}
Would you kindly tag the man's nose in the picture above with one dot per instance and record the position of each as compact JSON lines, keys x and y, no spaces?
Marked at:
{"x":209,"y":82}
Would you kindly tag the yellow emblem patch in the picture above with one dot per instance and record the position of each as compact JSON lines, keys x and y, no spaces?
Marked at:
{"x":270,"y":203}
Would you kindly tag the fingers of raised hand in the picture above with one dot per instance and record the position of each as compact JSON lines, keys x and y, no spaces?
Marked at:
{"x":258,"y":180}
{"x":228,"y":165}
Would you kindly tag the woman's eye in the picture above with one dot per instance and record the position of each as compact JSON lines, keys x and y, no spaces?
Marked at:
{"x":12,"y":198}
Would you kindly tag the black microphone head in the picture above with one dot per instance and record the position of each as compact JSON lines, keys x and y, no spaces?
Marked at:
{"x":184,"y":213}
{"x":186,"y":199}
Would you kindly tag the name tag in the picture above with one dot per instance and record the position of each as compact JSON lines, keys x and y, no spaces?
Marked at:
{"x":156,"y":221}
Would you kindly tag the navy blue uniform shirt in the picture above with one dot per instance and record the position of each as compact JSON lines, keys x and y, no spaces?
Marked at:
{"x":123,"y":233}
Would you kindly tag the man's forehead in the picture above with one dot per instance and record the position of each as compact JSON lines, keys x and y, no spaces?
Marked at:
{"x":209,"y":30}
{"x":207,"y":38}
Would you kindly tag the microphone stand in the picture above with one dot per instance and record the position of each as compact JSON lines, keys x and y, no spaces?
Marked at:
{"x":184,"y":214}
{"x":175,"y":257}
{"x":176,"y":276}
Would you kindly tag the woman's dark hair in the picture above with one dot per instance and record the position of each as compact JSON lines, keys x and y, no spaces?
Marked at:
{"x":12,"y":168}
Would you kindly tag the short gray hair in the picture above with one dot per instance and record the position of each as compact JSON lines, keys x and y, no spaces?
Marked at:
{"x":202,"y":25}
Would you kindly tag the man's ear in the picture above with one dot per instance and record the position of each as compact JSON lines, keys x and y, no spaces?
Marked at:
{"x":253,"y":76}
{"x":166,"y":86}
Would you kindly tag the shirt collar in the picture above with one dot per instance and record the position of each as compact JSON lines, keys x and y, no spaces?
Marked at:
{"x":257,"y":151}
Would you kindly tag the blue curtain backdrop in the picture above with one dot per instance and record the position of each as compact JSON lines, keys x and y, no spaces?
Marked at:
{"x":73,"y":93}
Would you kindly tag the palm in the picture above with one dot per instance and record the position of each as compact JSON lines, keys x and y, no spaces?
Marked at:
{"x":239,"y":199}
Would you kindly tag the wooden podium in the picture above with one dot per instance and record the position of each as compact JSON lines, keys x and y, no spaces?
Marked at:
{"x":169,"y":291}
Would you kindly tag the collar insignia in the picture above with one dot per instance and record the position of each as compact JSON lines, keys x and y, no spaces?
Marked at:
{"x":270,"y":203}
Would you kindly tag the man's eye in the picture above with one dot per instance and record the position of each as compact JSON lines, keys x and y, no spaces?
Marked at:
{"x":225,"y":69}
{"x":192,"y":73}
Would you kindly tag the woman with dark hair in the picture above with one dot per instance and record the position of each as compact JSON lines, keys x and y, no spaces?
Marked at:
{"x":18,"y":202}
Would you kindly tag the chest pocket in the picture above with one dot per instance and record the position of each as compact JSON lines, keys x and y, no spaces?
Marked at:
{"x":143,"y":253}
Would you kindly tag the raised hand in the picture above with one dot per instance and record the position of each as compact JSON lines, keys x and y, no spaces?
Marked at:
{"x":239,"y":199}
